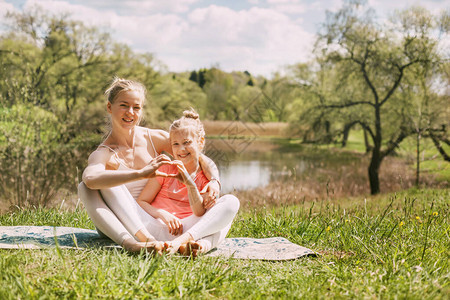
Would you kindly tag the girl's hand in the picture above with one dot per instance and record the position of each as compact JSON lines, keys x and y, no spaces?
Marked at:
{"x":173,"y":223}
{"x":183,"y":175}
{"x":151,"y":170}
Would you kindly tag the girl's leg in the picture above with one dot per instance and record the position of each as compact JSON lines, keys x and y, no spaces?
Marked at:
{"x":211,"y":228}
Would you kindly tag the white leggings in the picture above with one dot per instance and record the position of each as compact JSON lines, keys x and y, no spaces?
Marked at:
{"x":116,"y":214}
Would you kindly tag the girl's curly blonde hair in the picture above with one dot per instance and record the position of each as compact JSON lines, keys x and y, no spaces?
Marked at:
{"x":190,"y":118}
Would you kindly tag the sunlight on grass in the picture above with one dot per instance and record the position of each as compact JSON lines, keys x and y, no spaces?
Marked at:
{"x":389,"y":246}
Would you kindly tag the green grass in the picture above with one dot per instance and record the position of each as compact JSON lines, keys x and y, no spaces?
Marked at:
{"x":391,"y":246}
{"x":431,"y":162}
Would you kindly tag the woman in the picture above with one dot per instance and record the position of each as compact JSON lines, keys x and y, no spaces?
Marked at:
{"x":119,"y":169}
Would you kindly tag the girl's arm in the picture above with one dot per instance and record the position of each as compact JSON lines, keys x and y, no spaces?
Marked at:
{"x":195,"y":199}
{"x":145,"y":199}
{"x":147,"y":196}
{"x":212,"y":189}
{"x":96,"y":176}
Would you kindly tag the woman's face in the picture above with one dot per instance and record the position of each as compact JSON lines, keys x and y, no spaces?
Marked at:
{"x":186,"y":146}
{"x":126,"y":111}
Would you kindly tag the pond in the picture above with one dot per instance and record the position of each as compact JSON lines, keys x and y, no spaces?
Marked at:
{"x":248,"y":164}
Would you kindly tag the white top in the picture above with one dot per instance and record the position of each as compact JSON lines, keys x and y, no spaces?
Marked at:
{"x":135,"y":187}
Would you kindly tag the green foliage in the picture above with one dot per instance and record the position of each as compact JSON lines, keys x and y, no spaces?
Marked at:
{"x":171,"y":95}
{"x":38,"y":156}
{"x":61,"y":67}
{"x":364,"y":75}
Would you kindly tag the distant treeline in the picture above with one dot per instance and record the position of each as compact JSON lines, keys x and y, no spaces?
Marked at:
{"x":389,"y":79}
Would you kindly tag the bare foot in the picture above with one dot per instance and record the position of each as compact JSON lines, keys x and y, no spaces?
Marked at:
{"x":172,"y":247}
{"x":192,"y":248}
{"x":153,"y":247}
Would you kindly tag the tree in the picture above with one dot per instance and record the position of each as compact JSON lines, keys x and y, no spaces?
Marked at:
{"x":53,"y":57}
{"x":54,"y":71}
{"x":376,"y":58}
{"x":423,"y":107}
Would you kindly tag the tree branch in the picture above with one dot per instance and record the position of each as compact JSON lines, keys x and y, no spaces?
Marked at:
{"x":394,"y":144}
{"x":367,"y":127}
{"x":397,"y":81}
{"x":439,"y":147}
{"x":348,"y":104}
{"x":366,"y":76}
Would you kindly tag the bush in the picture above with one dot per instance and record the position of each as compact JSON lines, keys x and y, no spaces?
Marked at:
{"x":39,"y":155}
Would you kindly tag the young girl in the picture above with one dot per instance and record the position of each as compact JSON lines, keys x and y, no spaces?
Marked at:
{"x":198,"y":223}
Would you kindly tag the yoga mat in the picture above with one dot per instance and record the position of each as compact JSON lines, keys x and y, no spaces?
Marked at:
{"x":40,"y":237}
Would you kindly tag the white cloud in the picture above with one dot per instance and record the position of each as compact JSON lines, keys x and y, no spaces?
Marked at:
{"x":185,"y":36}
{"x":4,"y":8}
{"x":287,"y":6}
{"x":291,"y":8}
{"x":140,"y":7}
{"x":282,"y":1}
{"x":259,"y":40}
{"x":146,"y":33}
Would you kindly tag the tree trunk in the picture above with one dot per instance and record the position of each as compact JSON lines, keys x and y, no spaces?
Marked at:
{"x":418,"y":159}
{"x":374,"y":169}
{"x":346,"y":132}
{"x":377,"y":157}
{"x":366,"y":141}
{"x":345,"y":137}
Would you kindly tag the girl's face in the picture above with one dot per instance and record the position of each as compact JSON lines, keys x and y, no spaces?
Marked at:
{"x":126,"y":111}
{"x":186,"y":146}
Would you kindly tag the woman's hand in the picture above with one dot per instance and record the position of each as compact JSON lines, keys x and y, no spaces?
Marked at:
{"x":208,"y":202}
{"x":210,"y":193}
{"x":151,"y":170}
{"x":173,"y":223}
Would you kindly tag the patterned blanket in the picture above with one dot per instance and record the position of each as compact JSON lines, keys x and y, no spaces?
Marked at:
{"x":38,"y":237}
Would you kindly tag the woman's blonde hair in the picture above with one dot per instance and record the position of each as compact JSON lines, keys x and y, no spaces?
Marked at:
{"x":190,"y":118}
{"x":119,"y":85}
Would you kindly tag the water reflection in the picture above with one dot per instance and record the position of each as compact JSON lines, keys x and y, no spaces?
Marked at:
{"x":258,"y":165}
{"x":244,"y":175}
{"x":261,"y":162}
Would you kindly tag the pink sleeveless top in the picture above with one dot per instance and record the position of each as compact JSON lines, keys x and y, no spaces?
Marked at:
{"x":173,"y":196}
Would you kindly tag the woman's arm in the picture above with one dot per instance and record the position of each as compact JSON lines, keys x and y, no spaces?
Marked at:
{"x":212,"y":189}
{"x":161,"y":140}
{"x":96,"y":176}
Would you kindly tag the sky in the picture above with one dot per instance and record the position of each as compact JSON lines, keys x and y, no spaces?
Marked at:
{"x":259,"y":36}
